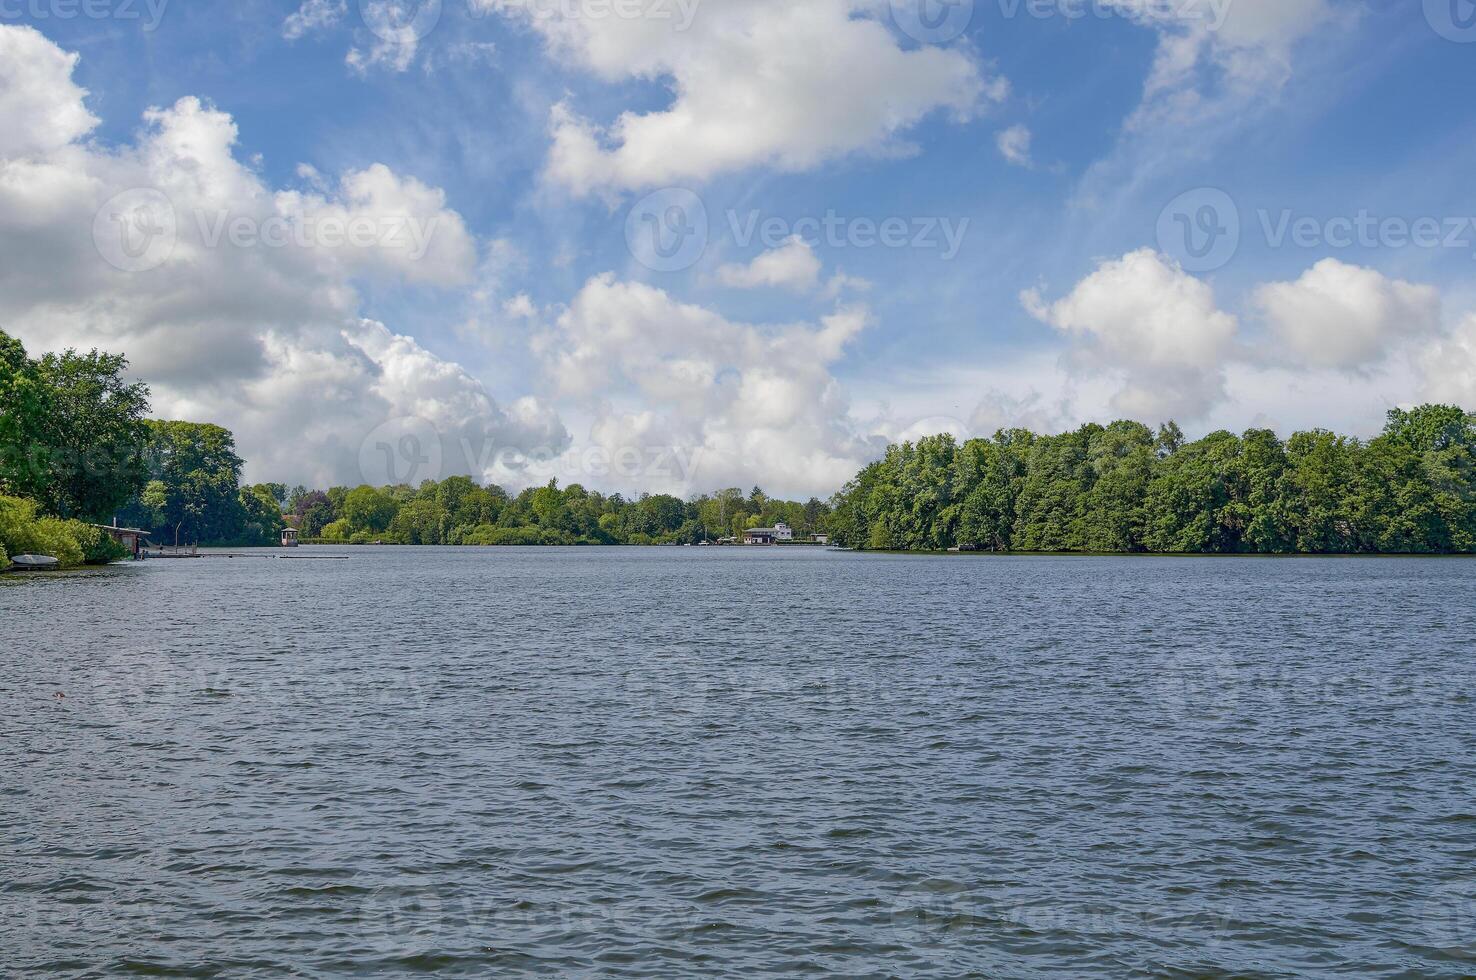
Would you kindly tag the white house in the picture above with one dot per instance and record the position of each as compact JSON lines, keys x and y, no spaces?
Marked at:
{"x":768,"y":535}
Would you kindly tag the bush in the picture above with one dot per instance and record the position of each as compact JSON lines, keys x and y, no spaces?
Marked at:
{"x":56,"y":538}
{"x":98,"y":547}
{"x":23,"y":533}
{"x":336,"y":531}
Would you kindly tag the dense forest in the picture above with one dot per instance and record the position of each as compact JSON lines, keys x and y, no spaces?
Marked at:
{"x":1126,"y":488}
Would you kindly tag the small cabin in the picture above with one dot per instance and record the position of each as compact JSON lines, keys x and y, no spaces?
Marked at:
{"x":289,"y":537}
{"x":129,"y":537}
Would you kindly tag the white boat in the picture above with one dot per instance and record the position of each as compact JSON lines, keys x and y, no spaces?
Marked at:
{"x":32,"y":563}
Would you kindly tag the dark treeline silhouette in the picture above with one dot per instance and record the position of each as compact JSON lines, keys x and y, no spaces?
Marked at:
{"x":1125,"y":488}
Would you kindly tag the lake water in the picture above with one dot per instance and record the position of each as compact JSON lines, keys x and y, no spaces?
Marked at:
{"x":739,"y":762}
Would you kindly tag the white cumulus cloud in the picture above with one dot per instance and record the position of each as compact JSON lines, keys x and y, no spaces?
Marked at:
{"x":1450,"y":366}
{"x":1156,"y":327}
{"x":1346,"y":316}
{"x":40,"y":104}
{"x":792,"y":265}
{"x":739,"y":401}
{"x":753,"y":82}
{"x":234,"y":299}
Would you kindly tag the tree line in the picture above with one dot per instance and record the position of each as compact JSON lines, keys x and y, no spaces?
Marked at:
{"x":459,"y":511}
{"x":1124,"y":488}
{"x":76,"y":447}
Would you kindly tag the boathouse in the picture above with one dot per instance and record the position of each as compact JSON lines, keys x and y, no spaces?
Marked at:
{"x":768,"y":535}
{"x":129,"y":537}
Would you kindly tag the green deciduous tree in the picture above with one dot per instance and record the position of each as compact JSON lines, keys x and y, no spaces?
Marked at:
{"x":72,"y":431}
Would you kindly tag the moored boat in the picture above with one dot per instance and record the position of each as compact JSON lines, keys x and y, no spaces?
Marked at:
{"x":32,"y":563}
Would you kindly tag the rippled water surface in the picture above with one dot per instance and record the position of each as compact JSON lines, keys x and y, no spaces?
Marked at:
{"x":734,"y":762}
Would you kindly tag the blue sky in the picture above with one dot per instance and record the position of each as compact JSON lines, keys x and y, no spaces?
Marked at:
{"x":1050,"y":144}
